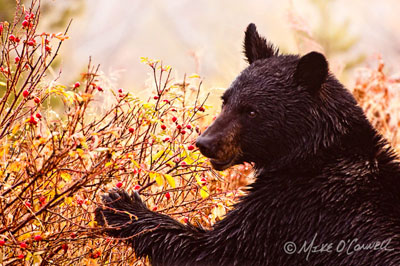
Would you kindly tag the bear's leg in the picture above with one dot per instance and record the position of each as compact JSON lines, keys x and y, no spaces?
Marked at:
{"x":163,"y":239}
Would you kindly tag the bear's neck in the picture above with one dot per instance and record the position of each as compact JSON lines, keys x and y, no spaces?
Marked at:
{"x":360,"y":143}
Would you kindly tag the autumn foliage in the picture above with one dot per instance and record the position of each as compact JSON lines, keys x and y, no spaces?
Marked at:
{"x":379,"y":96}
{"x":62,"y":147}
{"x":56,"y":161}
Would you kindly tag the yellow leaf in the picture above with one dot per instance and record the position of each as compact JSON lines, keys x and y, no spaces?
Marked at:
{"x":68,"y":200}
{"x":59,"y":89}
{"x":201,"y":160}
{"x":69,"y":95}
{"x":136,"y":163}
{"x":28,"y":256}
{"x":159,"y":180}
{"x":166,"y":68}
{"x":84,"y":144}
{"x":86,"y":96}
{"x":93,"y":224}
{"x":66,"y":177}
{"x":188,"y":160}
{"x":144,"y":60}
{"x":80,"y":152}
{"x":152,"y":175}
{"x":24,"y":236}
{"x":148,"y":105}
{"x":170,"y":180}
{"x":15,"y":129}
{"x":36,"y":258}
{"x":115,"y":133}
{"x":159,"y":154}
{"x":157,"y":177}
{"x":204,"y":192}
{"x":4,"y":149}
{"x":14,"y":167}
{"x":78,"y":97}
{"x":198,"y":179}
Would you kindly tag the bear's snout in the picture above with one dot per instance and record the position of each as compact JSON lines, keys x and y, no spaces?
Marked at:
{"x":206,"y":145}
{"x":217,"y":143}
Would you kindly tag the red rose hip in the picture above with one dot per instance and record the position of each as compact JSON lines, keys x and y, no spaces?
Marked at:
{"x":167,"y":195}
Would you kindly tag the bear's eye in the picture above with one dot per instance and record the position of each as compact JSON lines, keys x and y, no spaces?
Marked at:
{"x":251,"y":114}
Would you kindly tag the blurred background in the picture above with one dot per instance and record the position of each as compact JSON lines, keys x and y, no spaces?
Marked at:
{"x":205,"y":37}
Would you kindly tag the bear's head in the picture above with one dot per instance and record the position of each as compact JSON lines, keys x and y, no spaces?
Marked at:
{"x":279,"y":109}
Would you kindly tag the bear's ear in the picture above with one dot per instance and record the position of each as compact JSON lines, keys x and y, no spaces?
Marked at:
{"x":255,"y":46}
{"x":312,"y":71}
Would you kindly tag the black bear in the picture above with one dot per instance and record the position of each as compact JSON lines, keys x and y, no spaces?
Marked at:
{"x":327,"y":190}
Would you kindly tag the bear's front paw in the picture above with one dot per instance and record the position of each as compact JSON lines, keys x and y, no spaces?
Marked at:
{"x":119,"y":208}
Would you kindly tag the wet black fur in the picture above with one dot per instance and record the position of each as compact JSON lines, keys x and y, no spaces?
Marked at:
{"x":322,"y":170}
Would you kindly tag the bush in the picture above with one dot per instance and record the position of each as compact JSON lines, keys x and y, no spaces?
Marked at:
{"x":55,"y":165}
{"x":378,"y":94}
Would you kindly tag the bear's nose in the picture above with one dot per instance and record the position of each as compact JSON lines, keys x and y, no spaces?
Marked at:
{"x":205,"y":144}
